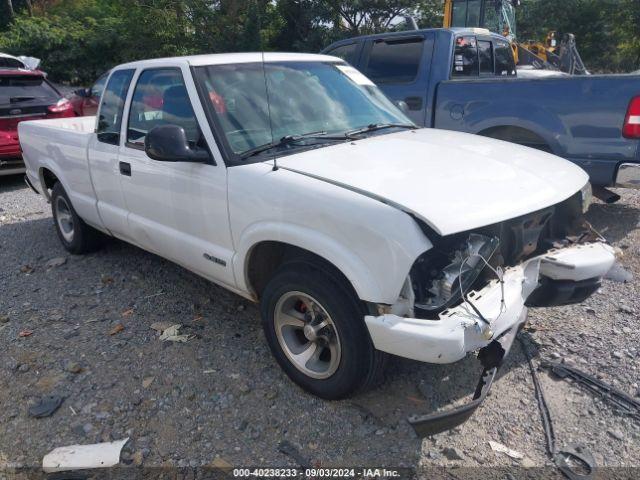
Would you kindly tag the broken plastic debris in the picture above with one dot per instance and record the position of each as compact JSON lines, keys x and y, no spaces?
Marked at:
{"x":220,"y":464}
{"x":161,"y":326}
{"x":498,"y":447}
{"x":55,"y":262}
{"x":46,"y":406}
{"x":83,"y":457}
{"x":146,"y":383}
{"x":172,"y":334}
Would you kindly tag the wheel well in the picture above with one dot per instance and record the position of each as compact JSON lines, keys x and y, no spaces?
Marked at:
{"x":518,"y":135}
{"x":49,"y":178}
{"x":266,"y":257}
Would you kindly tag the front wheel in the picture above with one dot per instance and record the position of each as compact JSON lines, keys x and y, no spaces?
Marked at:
{"x":316,"y":332}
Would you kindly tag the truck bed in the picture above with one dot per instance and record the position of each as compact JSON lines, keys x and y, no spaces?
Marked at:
{"x":60,"y":145}
{"x":579,"y":118}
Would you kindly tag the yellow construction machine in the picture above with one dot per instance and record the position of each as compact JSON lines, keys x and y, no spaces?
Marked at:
{"x":499,"y":16}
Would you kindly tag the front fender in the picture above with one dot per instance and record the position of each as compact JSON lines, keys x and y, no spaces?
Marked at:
{"x":364,"y":282}
{"x":373,"y":244}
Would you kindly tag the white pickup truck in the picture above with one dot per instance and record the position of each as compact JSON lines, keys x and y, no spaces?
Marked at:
{"x":292,"y":181}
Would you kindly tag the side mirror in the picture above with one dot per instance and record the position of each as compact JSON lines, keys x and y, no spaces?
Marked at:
{"x":402,"y":105}
{"x":168,"y":143}
{"x":82,"y":92}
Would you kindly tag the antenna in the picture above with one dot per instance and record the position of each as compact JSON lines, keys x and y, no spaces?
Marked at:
{"x":266,"y":89}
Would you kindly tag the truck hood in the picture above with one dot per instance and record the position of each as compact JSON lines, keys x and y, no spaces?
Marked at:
{"x":452,"y":181}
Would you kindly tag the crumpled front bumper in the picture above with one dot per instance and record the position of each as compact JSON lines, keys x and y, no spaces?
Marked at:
{"x":459,"y":330}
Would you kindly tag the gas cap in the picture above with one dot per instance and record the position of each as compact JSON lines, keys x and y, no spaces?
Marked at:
{"x":457,"y":112}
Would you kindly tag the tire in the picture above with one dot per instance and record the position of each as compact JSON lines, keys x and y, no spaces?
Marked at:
{"x":76,"y":236}
{"x":344,"y":359}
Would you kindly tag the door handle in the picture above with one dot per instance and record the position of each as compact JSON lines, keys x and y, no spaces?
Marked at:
{"x":125,"y":168}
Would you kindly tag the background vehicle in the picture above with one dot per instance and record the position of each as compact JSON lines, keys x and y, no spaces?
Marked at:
{"x":85,"y":101}
{"x":24,"y":63}
{"x":24,"y":95}
{"x":349,"y":240}
{"x":465,"y":80}
{"x":499,"y":16}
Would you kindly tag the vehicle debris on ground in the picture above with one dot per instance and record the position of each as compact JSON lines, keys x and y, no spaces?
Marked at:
{"x":83,"y":457}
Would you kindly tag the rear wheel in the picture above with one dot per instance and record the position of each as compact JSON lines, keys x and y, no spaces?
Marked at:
{"x":316,"y":332}
{"x":76,"y":236}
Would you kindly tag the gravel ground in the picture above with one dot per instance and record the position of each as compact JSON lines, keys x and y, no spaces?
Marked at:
{"x":221,"y":397}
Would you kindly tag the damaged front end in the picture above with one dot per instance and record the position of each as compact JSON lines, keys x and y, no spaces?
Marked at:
{"x":471,"y":292}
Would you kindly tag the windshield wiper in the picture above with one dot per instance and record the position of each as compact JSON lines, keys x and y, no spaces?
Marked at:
{"x":288,"y":140}
{"x":378,"y":126}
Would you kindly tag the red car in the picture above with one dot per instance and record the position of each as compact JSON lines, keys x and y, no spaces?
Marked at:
{"x":25,"y":95}
{"x":85,"y":100}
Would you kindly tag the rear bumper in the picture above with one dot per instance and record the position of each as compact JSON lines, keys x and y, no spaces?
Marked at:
{"x":9,"y":144}
{"x":10,"y":155}
{"x":628,"y":175}
{"x":459,"y":330}
{"x":11,"y":166}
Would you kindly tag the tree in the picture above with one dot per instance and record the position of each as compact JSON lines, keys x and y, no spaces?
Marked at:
{"x":10,"y":10}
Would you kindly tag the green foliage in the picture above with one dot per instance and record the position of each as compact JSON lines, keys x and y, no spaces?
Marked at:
{"x":79,"y":39}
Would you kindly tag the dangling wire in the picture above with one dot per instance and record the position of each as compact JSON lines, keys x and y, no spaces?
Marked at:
{"x":499,"y":273}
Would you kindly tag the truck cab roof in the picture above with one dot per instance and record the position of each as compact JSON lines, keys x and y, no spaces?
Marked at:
{"x":452,"y":32}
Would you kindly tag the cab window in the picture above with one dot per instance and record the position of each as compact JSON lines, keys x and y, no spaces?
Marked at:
{"x":98,"y":87}
{"x":160,"y":98}
{"x":111,"y":107}
{"x":345,"y":52}
{"x":465,"y":57}
{"x":395,"y":61}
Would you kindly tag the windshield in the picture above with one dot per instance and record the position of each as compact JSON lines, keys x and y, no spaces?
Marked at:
{"x":256,"y":103}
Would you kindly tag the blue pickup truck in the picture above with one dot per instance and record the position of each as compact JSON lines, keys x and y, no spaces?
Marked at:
{"x":466,"y":80}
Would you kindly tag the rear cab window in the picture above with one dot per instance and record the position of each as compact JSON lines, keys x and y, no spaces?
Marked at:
{"x":112,"y":106}
{"x":395,"y":60}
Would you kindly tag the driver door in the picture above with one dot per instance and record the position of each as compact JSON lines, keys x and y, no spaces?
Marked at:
{"x":176,"y":209}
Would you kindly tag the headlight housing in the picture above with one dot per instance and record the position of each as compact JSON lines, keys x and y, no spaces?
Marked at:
{"x":438,"y":276}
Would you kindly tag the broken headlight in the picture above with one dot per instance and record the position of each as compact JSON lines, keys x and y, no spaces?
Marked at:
{"x":440,"y":277}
